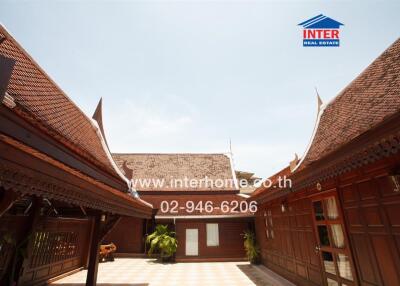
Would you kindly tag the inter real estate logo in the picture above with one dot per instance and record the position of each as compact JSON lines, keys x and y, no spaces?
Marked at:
{"x":321,"y":31}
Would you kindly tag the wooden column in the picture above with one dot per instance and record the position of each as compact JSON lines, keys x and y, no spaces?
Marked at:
{"x":144,"y":236}
{"x":91,"y":278}
{"x":26,"y":239}
{"x":89,"y":244}
{"x":153,"y":220}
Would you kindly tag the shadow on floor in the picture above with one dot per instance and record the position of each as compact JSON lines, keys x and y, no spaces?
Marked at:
{"x":254,"y":275}
{"x":159,"y":262}
{"x":102,"y":284}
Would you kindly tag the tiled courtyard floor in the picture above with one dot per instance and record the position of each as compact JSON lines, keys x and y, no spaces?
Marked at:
{"x":141,"y":272}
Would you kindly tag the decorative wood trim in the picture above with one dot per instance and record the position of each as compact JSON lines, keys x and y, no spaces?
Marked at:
{"x":18,"y":126}
{"x":15,"y":179}
{"x":381,"y":142}
{"x":379,"y":146}
{"x":28,"y":171}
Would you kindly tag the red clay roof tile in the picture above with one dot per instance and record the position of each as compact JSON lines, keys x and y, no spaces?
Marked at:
{"x":367,"y":101}
{"x":47,"y":104}
{"x":165,"y":167}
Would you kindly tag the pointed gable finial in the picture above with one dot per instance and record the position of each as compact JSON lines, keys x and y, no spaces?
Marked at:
{"x":231,"y":152}
{"x":319,"y":100}
{"x":293,"y":163}
{"x":98,"y":113}
{"x":98,"y":116}
{"x":127,"y":171}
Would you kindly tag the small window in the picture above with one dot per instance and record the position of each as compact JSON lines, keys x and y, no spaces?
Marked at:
{"x":268,"y":224}
{"x":212,"y":234}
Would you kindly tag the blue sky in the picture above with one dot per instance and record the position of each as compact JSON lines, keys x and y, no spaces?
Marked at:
{"x":188,"y":76}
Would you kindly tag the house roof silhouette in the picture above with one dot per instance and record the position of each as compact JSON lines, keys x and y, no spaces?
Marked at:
{"x":321,"y":22}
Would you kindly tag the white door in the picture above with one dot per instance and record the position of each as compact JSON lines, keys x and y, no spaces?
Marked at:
{"x":192,"y":242}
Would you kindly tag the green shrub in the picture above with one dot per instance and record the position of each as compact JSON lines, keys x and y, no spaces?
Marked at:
{"x":163,"y":242}
{"x":251,"y":247}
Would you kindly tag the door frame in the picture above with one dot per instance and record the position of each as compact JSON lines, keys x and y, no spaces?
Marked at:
{"x":320,"y":196}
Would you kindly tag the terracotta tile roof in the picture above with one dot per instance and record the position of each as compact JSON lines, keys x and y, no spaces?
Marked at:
{"x":273,"y":180}
{"x":165,"y":167}
{"x":48,"y":107}
{"x":216,"y":199}
{"x":367,"y":101}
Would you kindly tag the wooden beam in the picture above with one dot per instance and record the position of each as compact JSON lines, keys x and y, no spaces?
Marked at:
{"x":109,"y":225}
{"x":7,"y":199}
{"x":91,"y":278}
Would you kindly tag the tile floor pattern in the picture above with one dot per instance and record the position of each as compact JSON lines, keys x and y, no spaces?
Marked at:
{"x":143,"y":272}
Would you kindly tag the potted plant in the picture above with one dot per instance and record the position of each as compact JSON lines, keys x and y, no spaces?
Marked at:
{"x":163,"y":242}
{"x":251,"y":247}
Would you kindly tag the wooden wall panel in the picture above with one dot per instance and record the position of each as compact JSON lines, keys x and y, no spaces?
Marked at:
{"x":58,"y":245}
{"x":372,"y":214}
{"x":127,"y":235}
{"x":368,"y":272}
{"x":290,"y":252}
{"x":230,"y":239}
{"x":386,"y":260}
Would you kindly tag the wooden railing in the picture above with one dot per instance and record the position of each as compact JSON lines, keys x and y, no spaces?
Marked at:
{"x":51,"y":247}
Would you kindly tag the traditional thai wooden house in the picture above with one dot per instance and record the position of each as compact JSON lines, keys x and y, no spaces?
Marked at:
{"x":60,"y":191}
{"x":209,"y":218}
{"x":247,"y":182}
{"x":339,"y":222}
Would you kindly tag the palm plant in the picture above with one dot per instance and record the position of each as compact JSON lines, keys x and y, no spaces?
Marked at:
{"x":163,"y":242}
{"x":251,"y":247}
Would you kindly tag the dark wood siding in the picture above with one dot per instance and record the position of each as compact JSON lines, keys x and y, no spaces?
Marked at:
{"x":372,"y":212}
{"x":127,"y":235}
{"x":56,"y":246}
{"x":289,"y":249}
{"x":230,"y":239}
